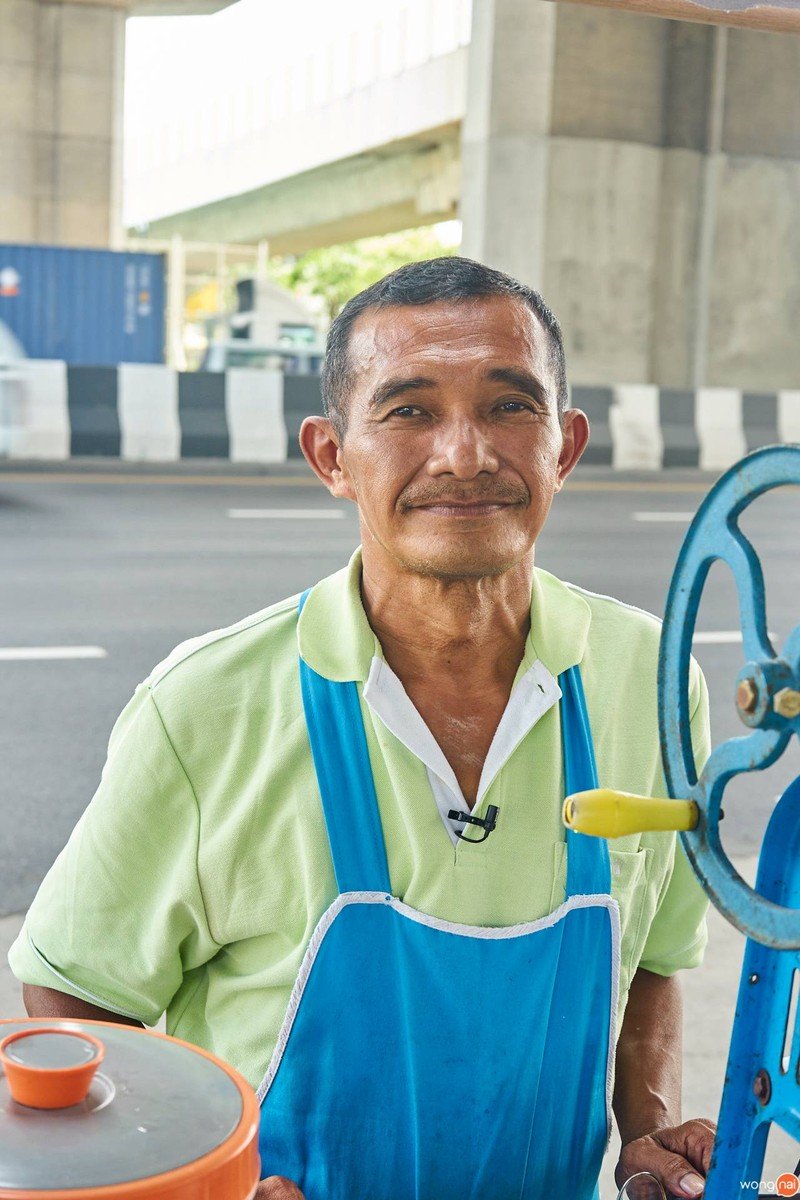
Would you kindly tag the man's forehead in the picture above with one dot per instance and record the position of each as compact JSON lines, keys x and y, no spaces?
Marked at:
{"x":481,"y":327}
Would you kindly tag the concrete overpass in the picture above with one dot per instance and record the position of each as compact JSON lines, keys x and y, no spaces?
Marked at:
{"x":644,"y":173}
{"x":414,"y":181}
{"x":61,"y":77}
{"x":356,"y":136}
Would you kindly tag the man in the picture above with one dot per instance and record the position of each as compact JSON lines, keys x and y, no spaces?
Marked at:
{"x":327,"y":840}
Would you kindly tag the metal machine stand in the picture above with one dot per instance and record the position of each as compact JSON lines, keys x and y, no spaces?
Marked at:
{"x":762,"y":1082}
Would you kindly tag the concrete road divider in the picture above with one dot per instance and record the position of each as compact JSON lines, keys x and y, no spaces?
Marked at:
{"x":142,"y":413}
{"x":148,"y":413}
{"x":34,"y":411}
{"x":636,"y":436}
{"x":255,"y":412}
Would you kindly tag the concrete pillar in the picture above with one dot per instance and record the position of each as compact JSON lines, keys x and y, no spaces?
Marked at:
{"x":754,"y":313}
{"x":647,"y":183}
{"x":61,"y":98}
{"x":685,"y":226}
{"x":506,"y":134}
{"x":61,"y":77}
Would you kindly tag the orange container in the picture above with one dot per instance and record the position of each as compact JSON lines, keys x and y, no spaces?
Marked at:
{"x":50,"y":1085}
{"x":95,"y":1111}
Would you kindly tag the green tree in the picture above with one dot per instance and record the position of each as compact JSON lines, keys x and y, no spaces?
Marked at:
{"x":338,"y":272}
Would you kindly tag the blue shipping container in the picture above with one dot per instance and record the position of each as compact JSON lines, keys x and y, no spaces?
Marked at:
{"x":85,"y":307}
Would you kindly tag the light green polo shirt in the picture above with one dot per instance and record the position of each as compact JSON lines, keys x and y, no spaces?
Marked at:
{"x":195,"y":878}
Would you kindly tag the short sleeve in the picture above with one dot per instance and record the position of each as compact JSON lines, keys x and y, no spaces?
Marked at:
{"x":678,"y":935}
{"x":119,"y":918}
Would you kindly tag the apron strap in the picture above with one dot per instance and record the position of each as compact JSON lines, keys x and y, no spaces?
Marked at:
{"x":341,"y":760}
{"x":588,"y":861}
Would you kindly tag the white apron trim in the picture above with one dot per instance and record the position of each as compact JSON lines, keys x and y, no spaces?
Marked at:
{"x":486,"y":933}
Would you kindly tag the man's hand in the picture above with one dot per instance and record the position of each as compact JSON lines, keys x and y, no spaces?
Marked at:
{"x":678,"y":1156}
{"x":277,"y":1188}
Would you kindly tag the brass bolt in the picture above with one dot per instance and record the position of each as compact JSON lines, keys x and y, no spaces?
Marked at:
{"x":787,"y":702}
{"x":746,"y":696}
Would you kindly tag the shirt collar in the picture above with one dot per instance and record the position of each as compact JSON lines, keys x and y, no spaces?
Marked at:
{"x":535,"y":692}
{"x":333,"y":634}
{"x":336,"y":639}
{"x":560,"y":620}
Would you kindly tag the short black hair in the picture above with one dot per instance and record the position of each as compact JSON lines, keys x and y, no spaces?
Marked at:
{"x":428,"y":282}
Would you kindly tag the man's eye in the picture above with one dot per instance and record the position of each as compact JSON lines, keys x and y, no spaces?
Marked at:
{"x":515,"y":406}
{"x":404,"y":410}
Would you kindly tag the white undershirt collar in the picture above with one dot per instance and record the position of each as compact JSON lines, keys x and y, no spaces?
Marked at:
{"x":534,"y":693}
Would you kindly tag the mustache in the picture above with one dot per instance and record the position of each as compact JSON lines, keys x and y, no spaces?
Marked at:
{"x":500,"y":493}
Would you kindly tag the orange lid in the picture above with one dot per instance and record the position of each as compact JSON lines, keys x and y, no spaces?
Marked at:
{"x":48,"y":1067}
{"x":158,"y":1119}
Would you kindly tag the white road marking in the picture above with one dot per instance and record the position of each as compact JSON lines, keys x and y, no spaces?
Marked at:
{"x":666,"y":517}
{"x":42,"y":653}
{"x":286,"y":514}
{"x":723,"y":637}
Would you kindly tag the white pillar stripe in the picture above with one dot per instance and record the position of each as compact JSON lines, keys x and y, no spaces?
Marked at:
{"x":789,"y":416}
{"x":254,"y":408}
{"x":718,"y":421}
{"x":637,"y":440}
{"x":147,"y":402}
{"x":40,"y":413}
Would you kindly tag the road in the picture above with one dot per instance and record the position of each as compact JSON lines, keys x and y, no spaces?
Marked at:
{"x":131,"y":564}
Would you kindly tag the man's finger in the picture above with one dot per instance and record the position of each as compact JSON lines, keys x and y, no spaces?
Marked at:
{"x":708,"y":1142}
{"x":278,"y":1188}
{"x":693,"y":1141}
{"x":679,"y":1157}
{"x":678,"y":1176}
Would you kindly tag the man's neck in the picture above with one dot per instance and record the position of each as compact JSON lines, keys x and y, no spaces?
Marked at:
{"x":469,"y":633}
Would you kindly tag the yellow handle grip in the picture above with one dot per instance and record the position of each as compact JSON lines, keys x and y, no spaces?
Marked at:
{"x":605,"y":813}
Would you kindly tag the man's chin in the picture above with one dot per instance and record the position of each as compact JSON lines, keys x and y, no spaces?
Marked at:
{"x":449,"y":563}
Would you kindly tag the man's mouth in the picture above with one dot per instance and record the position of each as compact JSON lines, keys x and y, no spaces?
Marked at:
{"x":464,"y":508}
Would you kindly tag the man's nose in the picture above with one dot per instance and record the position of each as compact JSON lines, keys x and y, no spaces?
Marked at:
{"x":463,"y":450}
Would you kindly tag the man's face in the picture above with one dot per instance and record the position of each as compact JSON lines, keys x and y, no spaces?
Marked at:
{"x":453,"y":449}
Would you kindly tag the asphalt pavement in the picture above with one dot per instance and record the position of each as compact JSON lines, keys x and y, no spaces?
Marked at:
{"x":110,"y":567}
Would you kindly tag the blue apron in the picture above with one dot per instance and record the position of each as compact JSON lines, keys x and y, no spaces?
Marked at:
{"x":379,"y":1089}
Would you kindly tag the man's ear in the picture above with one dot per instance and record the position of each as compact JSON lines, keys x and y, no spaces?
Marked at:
{"x":322,"y":451}
{"x":575,"y":432}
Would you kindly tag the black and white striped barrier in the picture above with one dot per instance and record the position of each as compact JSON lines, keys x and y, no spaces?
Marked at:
{"x":143,"y":413}
{"x":643,"y":427}
{"x":154,"y":414}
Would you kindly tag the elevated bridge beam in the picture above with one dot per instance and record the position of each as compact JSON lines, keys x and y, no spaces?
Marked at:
{"x":780,"y":16}
{"x":410,"y":183}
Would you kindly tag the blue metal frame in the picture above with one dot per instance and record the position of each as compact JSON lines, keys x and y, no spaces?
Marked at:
{"x":762,"y":1085}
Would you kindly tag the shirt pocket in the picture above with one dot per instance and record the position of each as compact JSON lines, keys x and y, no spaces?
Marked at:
{"x":631,"y":888}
